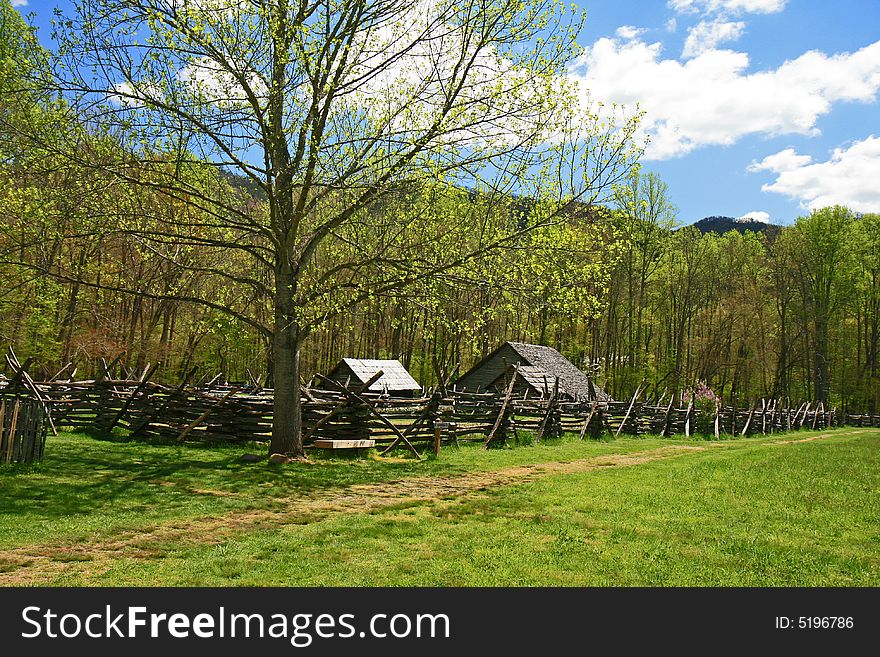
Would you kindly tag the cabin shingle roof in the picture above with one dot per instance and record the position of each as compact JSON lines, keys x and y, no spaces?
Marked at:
{"x":394,"y":375}
{"x":546,"y":361}
{"x":538,"y":367}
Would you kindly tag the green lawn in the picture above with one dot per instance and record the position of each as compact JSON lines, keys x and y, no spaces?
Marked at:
{"x":746,"y":512}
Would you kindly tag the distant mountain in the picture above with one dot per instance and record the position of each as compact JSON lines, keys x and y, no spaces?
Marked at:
{"x":721,"y":225}
{"x":241,"y":182}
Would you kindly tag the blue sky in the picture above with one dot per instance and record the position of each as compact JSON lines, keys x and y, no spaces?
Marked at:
{"x":769,"y":107}
{"x":779,"y":117}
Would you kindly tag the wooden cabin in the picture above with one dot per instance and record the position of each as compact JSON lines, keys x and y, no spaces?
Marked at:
{"x":539,"y":367}
{"x":395,"y":380}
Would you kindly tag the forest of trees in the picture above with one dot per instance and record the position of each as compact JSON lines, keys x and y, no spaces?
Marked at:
{"x":106,"y":245}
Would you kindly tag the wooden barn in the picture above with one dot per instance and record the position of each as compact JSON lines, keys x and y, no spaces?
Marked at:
{"x":539,"y":367}
{"x":395,"y":380}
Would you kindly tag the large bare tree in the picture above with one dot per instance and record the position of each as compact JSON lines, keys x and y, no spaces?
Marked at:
{"x":328,"y":109}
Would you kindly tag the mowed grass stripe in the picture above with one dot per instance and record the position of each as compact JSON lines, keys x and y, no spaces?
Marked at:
{"x":90,"y":490}
{"x":716,"y":517}
{"x":31,"y":564}
{"x":801,"y":514}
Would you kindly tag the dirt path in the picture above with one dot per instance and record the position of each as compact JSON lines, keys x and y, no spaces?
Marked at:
{"x":38,"y":564}
{"x":810,"y":439}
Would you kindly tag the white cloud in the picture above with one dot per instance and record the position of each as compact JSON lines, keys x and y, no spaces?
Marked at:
{"x":630,"y":32}
{"x":783,"y":161}
{"x":400,"y":71}
{"x":671,"y":25}
{"x":849,"y":178}
{"x":706,"y":35}
{"x":124,"y":94}
{"x":19,"y":3}
{"x":756,"y":215}
{"x":712,"y":99}
{"x":204,"y":78}
{"x":733,"y":6}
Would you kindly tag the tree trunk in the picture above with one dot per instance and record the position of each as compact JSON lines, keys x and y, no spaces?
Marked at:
{"x":287,"y":423}
{"x":820,"y":361}
{"x":68,"y":324}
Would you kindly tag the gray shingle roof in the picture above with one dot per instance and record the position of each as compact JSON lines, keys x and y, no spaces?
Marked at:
{"x":546,"y":361}
{"x":394,"y":374}
{"x":536,"y":377}
{"x":538,"y":368}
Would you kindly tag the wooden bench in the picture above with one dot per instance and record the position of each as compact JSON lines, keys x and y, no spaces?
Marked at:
{"x":358,"y":445}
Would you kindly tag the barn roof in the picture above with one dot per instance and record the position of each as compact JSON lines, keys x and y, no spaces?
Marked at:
{"x":539,"y":367}
{"x":552,"y":364}
{"x":536,"y":377}
{"x":394,"y":374}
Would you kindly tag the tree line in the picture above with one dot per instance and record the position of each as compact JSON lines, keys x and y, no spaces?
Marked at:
{"x":792,"y":314}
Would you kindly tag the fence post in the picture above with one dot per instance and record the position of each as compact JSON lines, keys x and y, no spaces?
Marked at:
{"x":438,"y":426}
{"x":629,"y":410}
{"x":717,"y":420}
{"x":745,"y":429}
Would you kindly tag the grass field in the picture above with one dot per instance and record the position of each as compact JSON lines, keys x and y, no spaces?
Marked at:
{"x":795,"y":510}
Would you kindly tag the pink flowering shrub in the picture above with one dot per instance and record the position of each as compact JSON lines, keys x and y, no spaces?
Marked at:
{"x":706,"y":404}
{"x":701,"y":393}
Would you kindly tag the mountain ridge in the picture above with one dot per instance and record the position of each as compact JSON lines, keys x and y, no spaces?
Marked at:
{"x":721,"y":225}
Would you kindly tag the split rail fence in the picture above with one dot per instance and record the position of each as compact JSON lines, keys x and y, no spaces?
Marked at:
{"x":24,"y":416}
{"x":215,"y":412}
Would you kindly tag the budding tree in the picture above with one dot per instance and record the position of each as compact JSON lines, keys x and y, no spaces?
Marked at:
{"x":330,"y":108}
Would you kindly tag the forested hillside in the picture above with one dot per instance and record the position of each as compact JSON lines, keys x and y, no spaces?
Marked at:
{"x":721,"y":225}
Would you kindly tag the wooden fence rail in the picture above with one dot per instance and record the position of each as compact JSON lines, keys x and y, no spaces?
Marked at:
{"x":224,"y":413}
{"x":209,"y":414}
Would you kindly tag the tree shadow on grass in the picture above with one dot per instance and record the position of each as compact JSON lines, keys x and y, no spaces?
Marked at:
{"x":99,"y":473}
